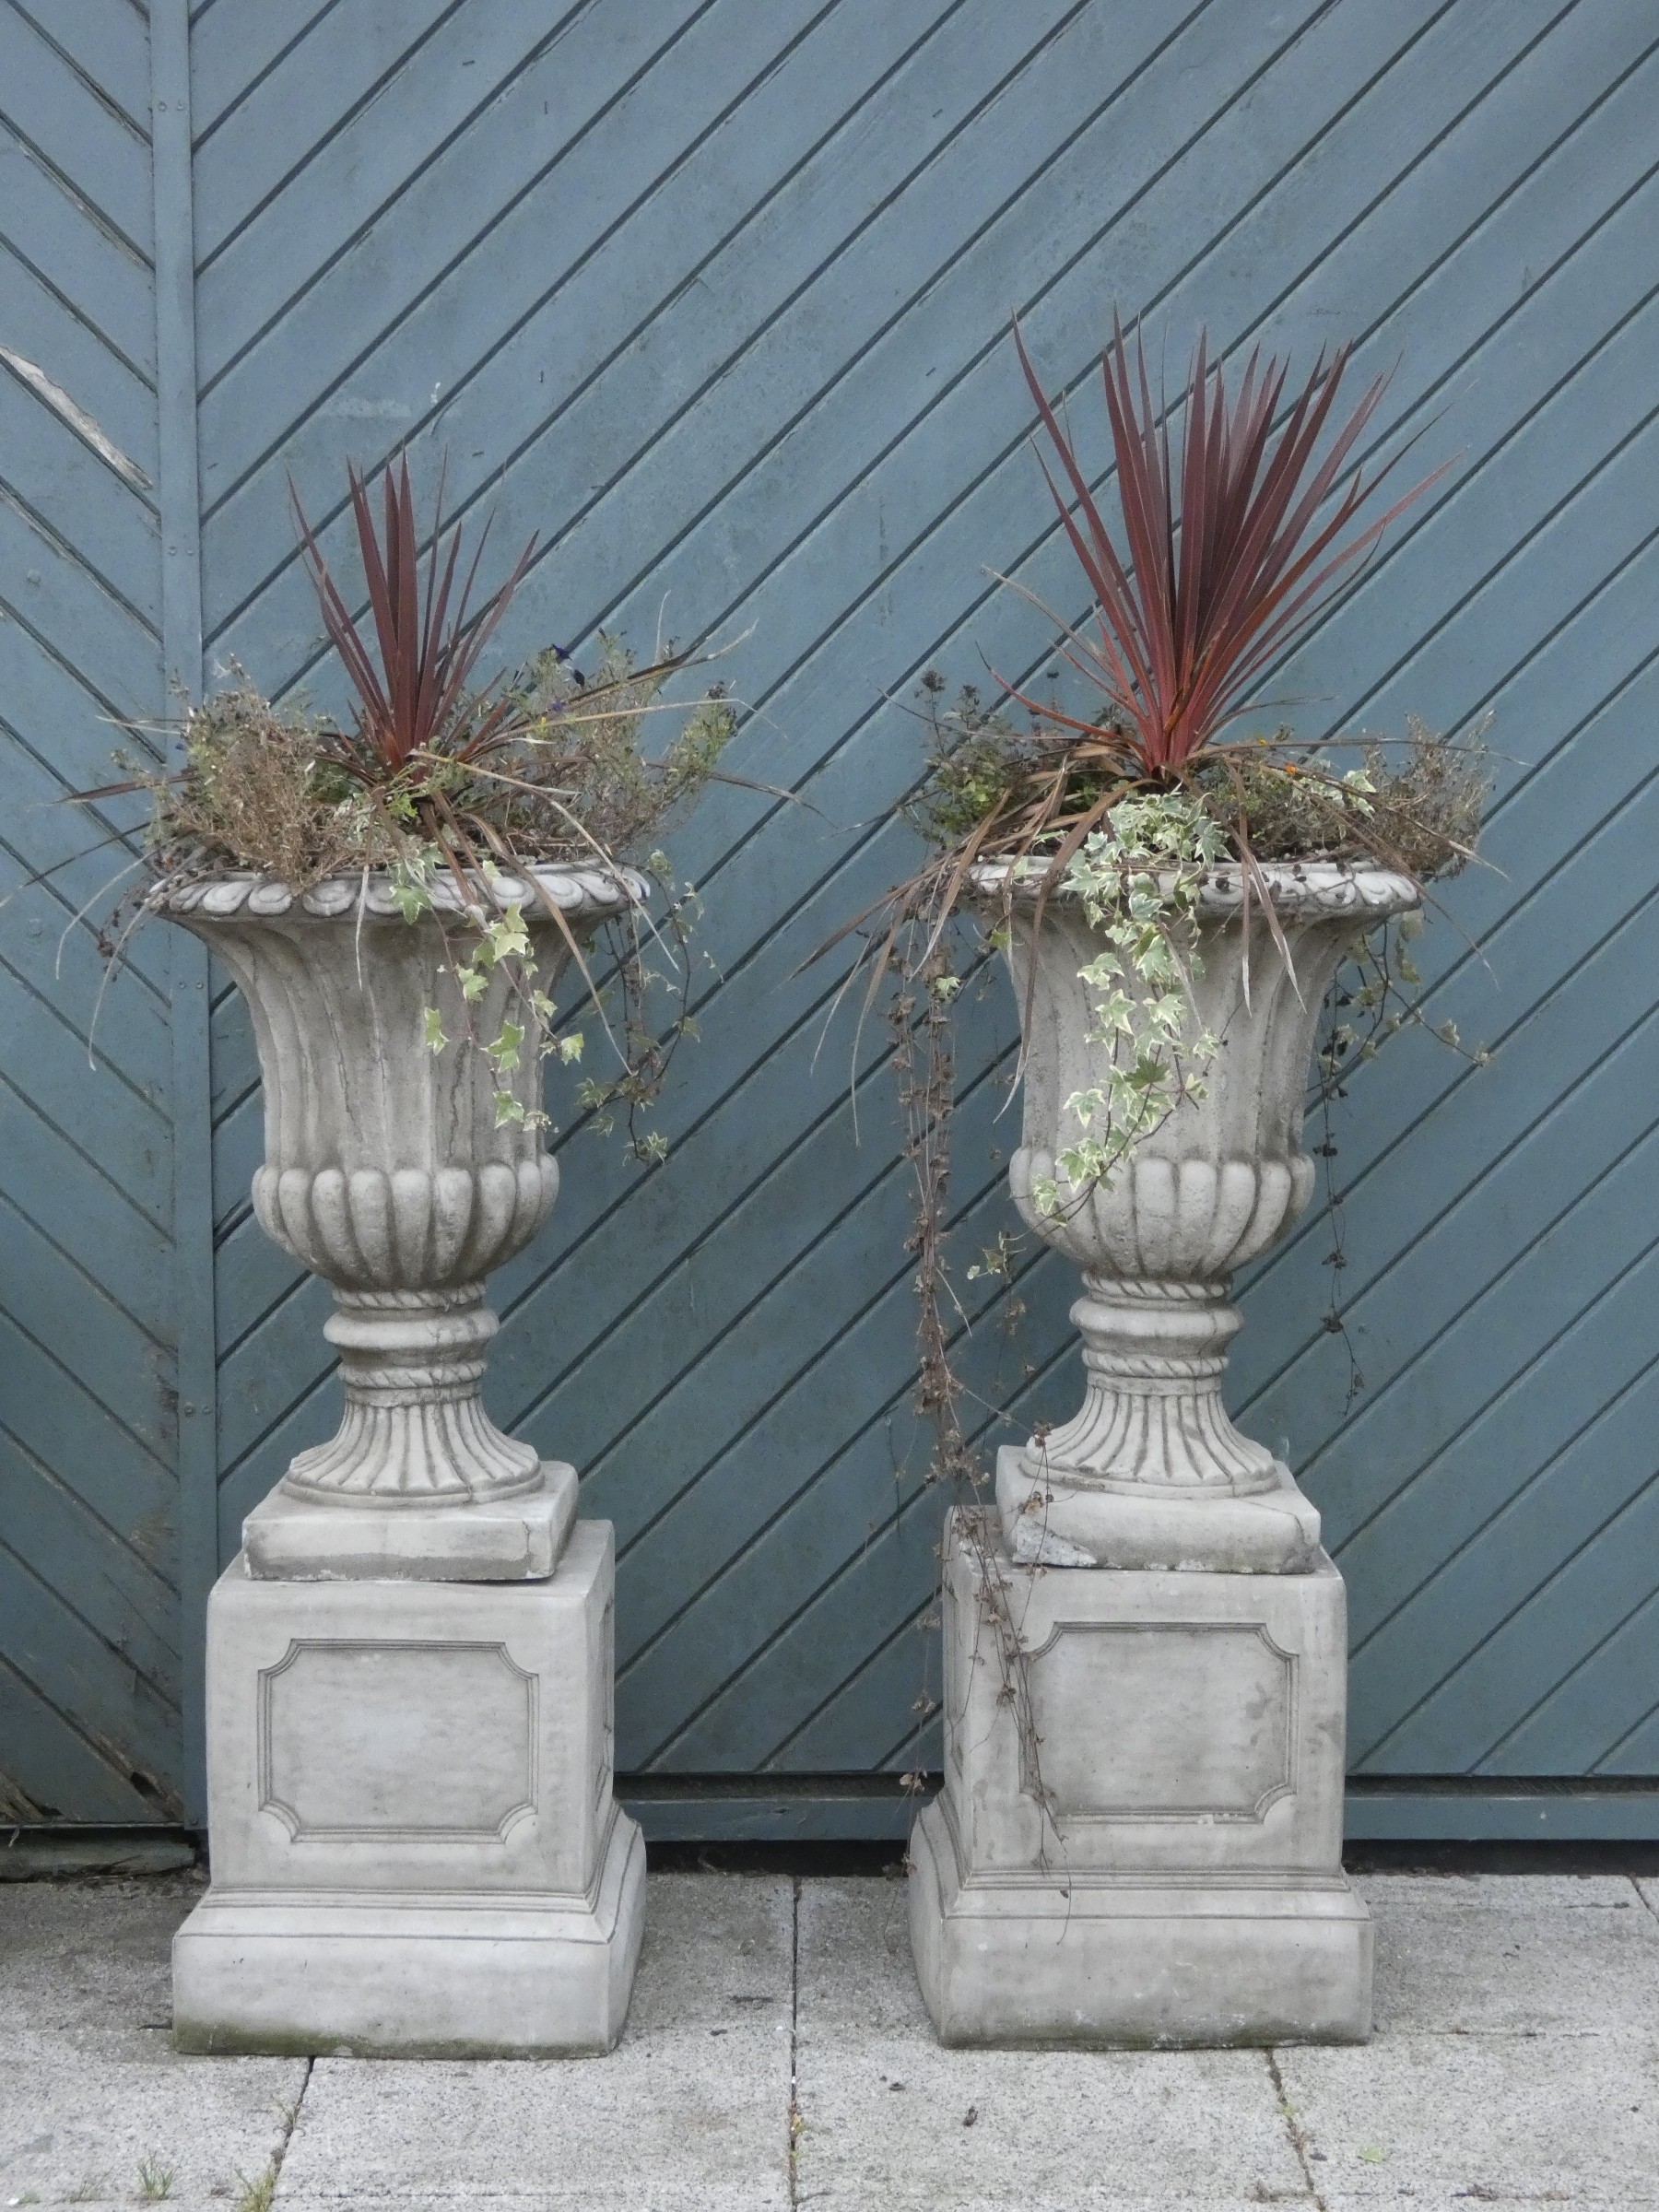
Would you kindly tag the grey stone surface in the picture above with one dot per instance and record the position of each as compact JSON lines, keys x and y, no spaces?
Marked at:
{"x":884,"y":2110}
{"x":415,"y":1847}
{"x":511,"y":1540}
{"x":92,"y":2093}
{"x":689,"y":2114}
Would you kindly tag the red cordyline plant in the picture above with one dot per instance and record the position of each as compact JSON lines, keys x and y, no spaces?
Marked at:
{"x":1229,"y":558}
{"x":419,"y":697}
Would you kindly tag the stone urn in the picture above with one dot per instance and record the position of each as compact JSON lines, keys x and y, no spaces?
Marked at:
{"x":1151,"y":1471}
{"x":1139,"y":1837}
{"x":387,"y":1173}
{"x":416,"y":1846}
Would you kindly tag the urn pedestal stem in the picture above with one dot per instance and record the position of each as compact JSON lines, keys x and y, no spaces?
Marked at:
{"x":415,"y":1431}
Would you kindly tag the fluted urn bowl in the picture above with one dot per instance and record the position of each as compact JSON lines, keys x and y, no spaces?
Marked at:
{"x":386,"y":1171}
{"x":1151,"y":1472}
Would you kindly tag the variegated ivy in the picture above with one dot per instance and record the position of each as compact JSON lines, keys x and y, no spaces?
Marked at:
{"x":1138,"y":878}
{"x":500,"y":942}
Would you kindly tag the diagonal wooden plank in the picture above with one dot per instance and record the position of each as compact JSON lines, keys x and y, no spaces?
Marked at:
{"x":41,"y":324}
{"x":100,"y":278}
{"x":88,"y":509}
{"x":84,"y":1212}
{"x":49,"y":1772}
{"x":491,"y":309}
{"x":106,"y":1119}
{"x":117,"y":1710}
{"x":49,"y":107}
{"x":106,"y":43}
{"x":232,"y":51}
{"x":329,"y":158}
{"x":1609,"y":1693}
{"x":1440,"y":1676}
{"x":1033,"y":118}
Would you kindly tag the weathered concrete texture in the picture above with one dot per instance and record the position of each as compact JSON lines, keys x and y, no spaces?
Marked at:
{"x":92,"y":2094}
{"x":884,"y":2110}
{"x":689,"y":2114}
{"x":1517,"y":2053}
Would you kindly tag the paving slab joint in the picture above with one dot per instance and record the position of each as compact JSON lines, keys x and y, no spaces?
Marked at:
{"x":259,"y":2190}
{"x":795,"y":2121}
{"x":1293,"y":2128}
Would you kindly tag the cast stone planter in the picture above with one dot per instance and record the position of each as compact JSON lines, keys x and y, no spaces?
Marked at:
{"x":1151,"y":1471}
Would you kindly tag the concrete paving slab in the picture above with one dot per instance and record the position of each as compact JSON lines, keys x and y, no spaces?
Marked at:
{"x":1456,"y":2119}
{"x":1547,"y":1953}
{"x":690,"y":2114}
{"x":96,"y":2106}
{"x":1517,"y":2057}
{"x":888,"y":2120}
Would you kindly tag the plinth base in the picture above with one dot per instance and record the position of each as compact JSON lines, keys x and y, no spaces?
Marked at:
{"x":1139,"y":1838}
{"x":385,"y":1976}
{"x":512,"y":1540}
{"x":414,"y":1845}
{"x":1134,"y":1966}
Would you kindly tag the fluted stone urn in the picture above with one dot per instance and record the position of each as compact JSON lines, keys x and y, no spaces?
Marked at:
{"x":388,"y":1173}
{"x":410,"y":1678}
{"x":1151,"y":1471}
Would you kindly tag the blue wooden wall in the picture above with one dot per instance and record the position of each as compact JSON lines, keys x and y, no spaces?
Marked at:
{"x":714,"y":295}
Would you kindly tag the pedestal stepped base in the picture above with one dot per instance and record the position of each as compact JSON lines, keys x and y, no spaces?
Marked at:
{"x":415,"y":1850}
{"x":1190,"y":1732}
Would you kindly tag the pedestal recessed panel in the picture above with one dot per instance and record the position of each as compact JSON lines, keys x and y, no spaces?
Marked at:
{"x":412,"y":1735}
{"x":1184,"y":1720}
{"x":361,"y":1739}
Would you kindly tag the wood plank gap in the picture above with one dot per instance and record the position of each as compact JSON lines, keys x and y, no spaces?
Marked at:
{"x":198,"y":1381}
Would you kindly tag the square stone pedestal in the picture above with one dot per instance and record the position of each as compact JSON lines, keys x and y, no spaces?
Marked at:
{"x":1185,"y":1885}
{"x":416,"y":1850}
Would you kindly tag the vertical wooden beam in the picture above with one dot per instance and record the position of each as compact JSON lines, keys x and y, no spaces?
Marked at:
{"x":192,"y":1075}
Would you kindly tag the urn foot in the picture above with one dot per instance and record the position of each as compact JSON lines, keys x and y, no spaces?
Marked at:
{"x":1054,"y":1517}
{"x":415,"y":1434}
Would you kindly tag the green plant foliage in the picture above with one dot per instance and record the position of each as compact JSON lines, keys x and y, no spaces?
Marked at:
{"x":1138,"y":878}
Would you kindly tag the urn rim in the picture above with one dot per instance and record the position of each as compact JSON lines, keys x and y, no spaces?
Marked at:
{"x":1303,"y":888}
{"x":580,"y":893}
